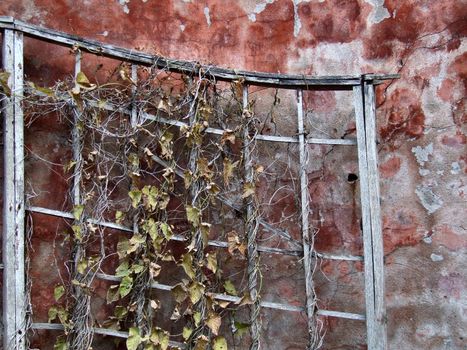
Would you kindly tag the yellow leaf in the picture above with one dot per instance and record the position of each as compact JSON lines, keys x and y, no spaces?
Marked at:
{"x":58,"y":292}
{"x":187,"y":264}
{"x":211,"y":264}
{"x":229,"y":168}
{"x":219,"y":344}
{"x":193,"y":215}
{"x":248,"y":189}
{"x":186,"y":333}
{"x":214,"y":322}
{"x":78,"y":211}
{"x":230,"y":288}
{"x":228,"y":135}
{"x":196,"y":291}
{"x":134,"y":339}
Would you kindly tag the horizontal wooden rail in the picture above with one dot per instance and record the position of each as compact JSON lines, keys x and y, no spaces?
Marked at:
{"x":290,"y":81}
{"x":179,"y":238}
{"x":100,"y":331}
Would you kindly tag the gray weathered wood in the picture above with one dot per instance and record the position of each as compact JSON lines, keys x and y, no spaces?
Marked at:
{"x":375,"y":210}
{"x":237,"y":300}
{"x":251,"y":227}
{"x":212,"y":243}
{"x":307,"y":238}
{"x":371,"y":323}
{"x":187,"y":67}
{"x":14,"y":298}
{"x":100,"y":331}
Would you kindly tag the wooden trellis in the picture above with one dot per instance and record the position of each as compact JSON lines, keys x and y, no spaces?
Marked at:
{"x":363,"y":87}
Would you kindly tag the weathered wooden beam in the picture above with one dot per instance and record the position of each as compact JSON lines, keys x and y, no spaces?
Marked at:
{"x":287,"y":81}
{"x":307,"y":236}
{"x":14,"y":297}
{"x":371,"y":323}
{"x":212,"y":243}
{"x":236,"y":300}
{"x":375,"y":212}
{"x":100,"y":331}
{"x":251,"y":225}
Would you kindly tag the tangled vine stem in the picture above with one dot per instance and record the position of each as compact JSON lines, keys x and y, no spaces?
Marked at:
{"x":142,"y":157}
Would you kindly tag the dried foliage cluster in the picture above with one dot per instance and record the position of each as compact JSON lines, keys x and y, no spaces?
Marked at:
{"x":168,"y":162}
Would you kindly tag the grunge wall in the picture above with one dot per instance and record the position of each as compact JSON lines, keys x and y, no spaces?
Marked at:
{"x":422,"y":134}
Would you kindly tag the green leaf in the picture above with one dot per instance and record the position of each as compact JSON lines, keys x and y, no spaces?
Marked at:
{"x":78,"y":211}
{"x":179,"y":293}
{"x":52,"y":313}
{"x":241,"y":329}
{"x":134,"y":338}
{"x":112,"y":294}
{"x":196,"y":291}
{"x":219,"y":344}
{"x":193,"y":215}
{"x":60,"y":344}
{"x":166,"y":230}
{"x":187,"y":264}
{"x":160,"y":337}
{"x":77,"y":232}
{"x":211,"y":264}
{"x":186,"y":333}
{"x":82,"y":266}
{"x":197,"y":318}
{"x":120,"y":312}
{"x":58,"y":292}
{"x":83,"y":82}
{"x":43,"y":90}
{"x":122,"y":247}
{"x":122,"y":269}
{"x":125,"y":286}
{"x":135,"y":196}
{"x":230,"y":288}
{"x":119,"y":216}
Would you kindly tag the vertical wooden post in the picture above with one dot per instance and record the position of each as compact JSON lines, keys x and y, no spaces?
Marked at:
{"x":251,"y":230}
{"x":375,"y":211}
{"x":306,"y":237}
{"x":371,"y":217}
{"x":14,"y":300}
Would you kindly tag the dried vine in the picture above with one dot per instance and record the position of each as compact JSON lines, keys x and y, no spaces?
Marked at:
{"x":142,"y":158}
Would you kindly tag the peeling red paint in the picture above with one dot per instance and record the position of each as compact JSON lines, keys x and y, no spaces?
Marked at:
{"x":390,"y":168}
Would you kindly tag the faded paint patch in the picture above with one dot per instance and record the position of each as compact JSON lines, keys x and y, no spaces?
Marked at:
{"x":430,"y":201}
{"x":436,"y":257}
{"x":207,"y":15}
{"x":260,"y":7}
{"x":297,"y":24}
{"x":379,"y":12}
{"x":455,"y":168}
{"x":422,"y":154}
{"x":124,"y":4}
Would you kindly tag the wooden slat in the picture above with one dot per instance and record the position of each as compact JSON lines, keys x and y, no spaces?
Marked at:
{"x":306,"y":236}
{"x":236,"y":300}
{"x":375,"y":211}
{"x":212,"y":243}
{"x":371,"y":323}
{"x":100,"y":331}
{"x":14,"y":304}
{"x":187,"y":67}
{"x":251,"y":228}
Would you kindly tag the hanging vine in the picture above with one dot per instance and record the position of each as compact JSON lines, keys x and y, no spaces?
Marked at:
{"x":143,"y":160}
